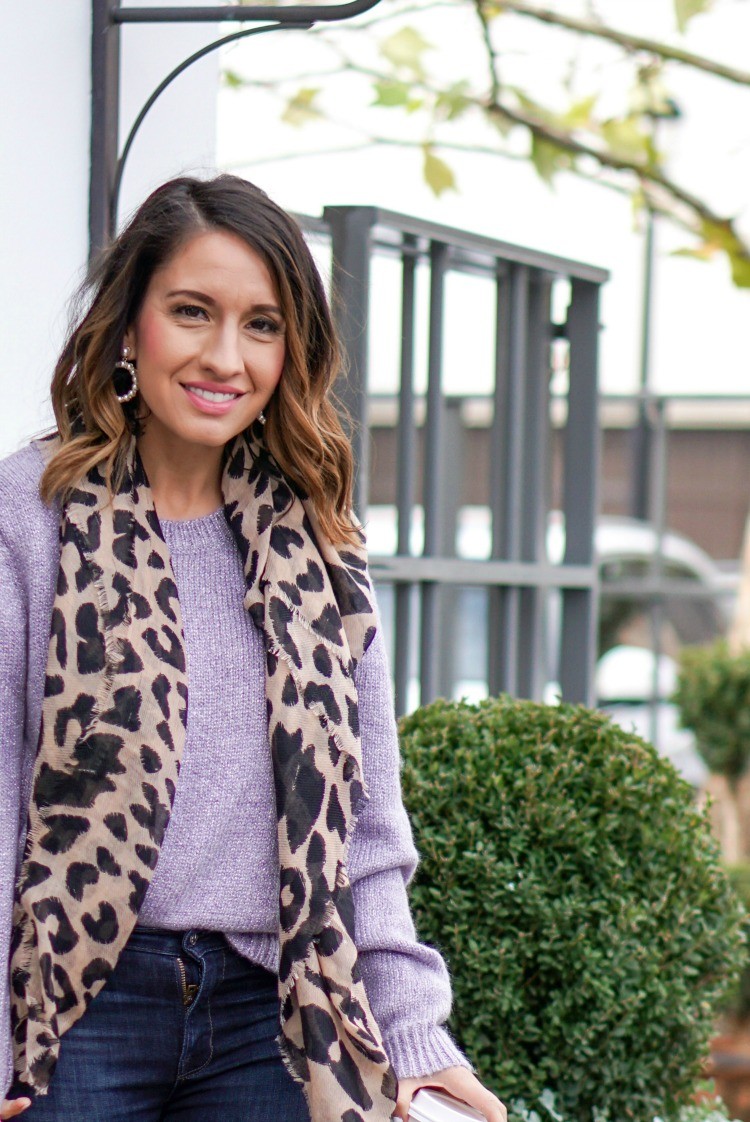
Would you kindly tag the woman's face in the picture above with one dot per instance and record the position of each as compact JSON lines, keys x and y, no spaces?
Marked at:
{"x":208,"y":341}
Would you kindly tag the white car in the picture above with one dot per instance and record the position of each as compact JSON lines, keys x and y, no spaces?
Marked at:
{"x":640,"y":640}
{"x":639,"y":643}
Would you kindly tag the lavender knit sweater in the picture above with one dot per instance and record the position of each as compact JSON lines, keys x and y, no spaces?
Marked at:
{"x":218,"y":867}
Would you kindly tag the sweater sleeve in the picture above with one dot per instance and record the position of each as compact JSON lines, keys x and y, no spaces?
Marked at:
{"x":407,"y":982}
{"x":13,"y":648}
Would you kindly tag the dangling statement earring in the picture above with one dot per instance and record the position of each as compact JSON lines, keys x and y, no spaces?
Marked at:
{"x":125,"y":364}
{"x":262,"y":417}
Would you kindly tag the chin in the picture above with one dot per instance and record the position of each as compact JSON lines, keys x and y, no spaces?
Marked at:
{"x":215,"y":436}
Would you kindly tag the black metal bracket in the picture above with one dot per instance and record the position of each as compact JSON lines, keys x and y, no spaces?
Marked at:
{"x":107,"y":162}
{"x":240,"y":13}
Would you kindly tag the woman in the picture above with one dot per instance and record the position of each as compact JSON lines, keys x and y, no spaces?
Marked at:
{"x":183,"y":544}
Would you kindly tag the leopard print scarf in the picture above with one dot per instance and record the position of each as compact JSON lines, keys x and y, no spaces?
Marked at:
{"x":113,"y":728}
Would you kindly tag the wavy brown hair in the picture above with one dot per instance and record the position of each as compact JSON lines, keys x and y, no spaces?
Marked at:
{"x":303,"y":431}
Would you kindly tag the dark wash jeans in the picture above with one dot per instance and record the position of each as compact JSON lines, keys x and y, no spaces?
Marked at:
{"x":185,"y":1029}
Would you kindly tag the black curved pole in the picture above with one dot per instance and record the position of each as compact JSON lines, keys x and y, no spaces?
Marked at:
{"x":308,"y":13}
{"x":244,"y":34}
{"x":107,"y":163}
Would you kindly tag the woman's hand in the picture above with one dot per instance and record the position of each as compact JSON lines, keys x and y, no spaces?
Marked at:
{"x":457,"y":1081}
{"x":9,"y":1108}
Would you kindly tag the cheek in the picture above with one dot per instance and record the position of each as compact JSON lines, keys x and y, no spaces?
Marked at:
{"x":278,"y":365}
{"x":154,"y":342}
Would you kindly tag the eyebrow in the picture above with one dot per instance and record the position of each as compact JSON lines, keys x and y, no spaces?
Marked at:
{"x":193,"y":294}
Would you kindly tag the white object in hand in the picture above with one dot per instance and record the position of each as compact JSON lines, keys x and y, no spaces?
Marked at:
{"x":434,"y":1106}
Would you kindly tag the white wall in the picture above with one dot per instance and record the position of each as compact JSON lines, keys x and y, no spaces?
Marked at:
{"x":44,"y":170}
{"x":179,"y":133}
{"x":44,"y":153}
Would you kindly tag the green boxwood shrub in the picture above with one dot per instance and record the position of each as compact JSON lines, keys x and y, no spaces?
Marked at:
{"x":578,"y":897}
{"x":713,"y":697}
{"x":737,"y":1001}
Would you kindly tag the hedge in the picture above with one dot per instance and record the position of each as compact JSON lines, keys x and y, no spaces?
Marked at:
{"x":713,"y":697}
{"x":579,"y":899}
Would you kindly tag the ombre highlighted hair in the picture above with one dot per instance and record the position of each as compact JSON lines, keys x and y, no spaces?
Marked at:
{"x":303,"y":431}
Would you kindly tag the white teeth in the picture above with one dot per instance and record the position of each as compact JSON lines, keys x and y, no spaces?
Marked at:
{"x":210,"y":395}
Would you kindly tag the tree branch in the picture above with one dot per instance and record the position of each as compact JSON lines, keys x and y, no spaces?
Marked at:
{"x":373,"y":141}
{"x":662,"y":194}
{"x":568,"y":143}
{"x":492,"y":58}
{"x":646,"y":173}
{"x":631,"y":43}
{"x":543,"y":129}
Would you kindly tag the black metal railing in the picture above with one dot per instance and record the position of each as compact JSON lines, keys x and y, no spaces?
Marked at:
{"x":517,"y":573}
{"x":661,"y":586}
{"x":518,"y":611}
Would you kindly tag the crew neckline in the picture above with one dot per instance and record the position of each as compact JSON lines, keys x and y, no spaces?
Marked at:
{"x":206,"y":531}
{"x":214,"y":514}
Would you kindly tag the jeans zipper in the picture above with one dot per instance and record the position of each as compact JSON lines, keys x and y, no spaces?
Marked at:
{"x":188,"y":990}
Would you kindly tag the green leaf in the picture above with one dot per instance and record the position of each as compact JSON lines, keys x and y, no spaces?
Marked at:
{"x":438,"y":175}
{"x":626,"y":139}
{"x":232,"y":79}
{"x":535,"y":109}
{"x":701,"y":252}
{"x":453,"y":102}
{"x":405,"y":49}
{"x":638,"y":202}
{"x":684,"y":11}
{"x":499,"y":121}
{"x":548,"y":158}
{"x":651,"y":95}
{"x":392,"y":93}
{"x":722,"y":235}
{"x":301,"y":108}
{"x":740,"y":264}
{"x":579,"y":116}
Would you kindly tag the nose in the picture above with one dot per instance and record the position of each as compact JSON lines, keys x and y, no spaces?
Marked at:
{"x":222,"y":352}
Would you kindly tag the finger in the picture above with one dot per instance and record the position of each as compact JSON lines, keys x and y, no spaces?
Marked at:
{"x":403,"y":1102}
{"x":406,"y":1091}
{"x":493,"y":1109}
{"x":12,"y":1107}
{"x":466,"y":1088}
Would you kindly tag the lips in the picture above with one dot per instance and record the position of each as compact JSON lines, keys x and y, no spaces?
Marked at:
{"x":211,"y":388}
{"x":209,"y":398}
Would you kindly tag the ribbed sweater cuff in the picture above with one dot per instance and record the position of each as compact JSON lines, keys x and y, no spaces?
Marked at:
{"x":422,"y":1050}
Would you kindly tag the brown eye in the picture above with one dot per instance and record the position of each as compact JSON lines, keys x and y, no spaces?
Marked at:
{"x":190,"y":311}
{"x":265,"y":326}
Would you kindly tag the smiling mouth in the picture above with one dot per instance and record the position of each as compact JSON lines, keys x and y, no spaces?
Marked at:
{"x":214,"y":395}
